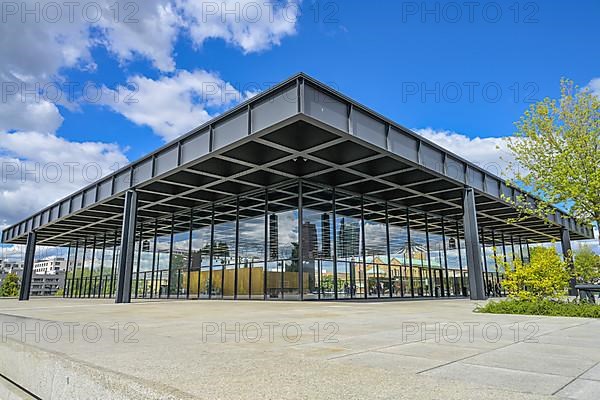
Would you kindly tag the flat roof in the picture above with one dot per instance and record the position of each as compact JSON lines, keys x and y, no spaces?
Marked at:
{"x":299,"y":128}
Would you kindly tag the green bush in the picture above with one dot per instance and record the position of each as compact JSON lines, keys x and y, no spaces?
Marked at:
{"x":541,"y":307}
{"x":10,"y":286}
{"x":545,"y":275}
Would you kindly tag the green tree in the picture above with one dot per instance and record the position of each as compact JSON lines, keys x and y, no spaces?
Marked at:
{"x":10,"y":286}
{"x":587,"y":264}
{"x":544,"y":276}
{"x":557,"y":154}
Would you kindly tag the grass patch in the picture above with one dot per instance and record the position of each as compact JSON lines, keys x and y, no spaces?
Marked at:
{"x":541,"y":307}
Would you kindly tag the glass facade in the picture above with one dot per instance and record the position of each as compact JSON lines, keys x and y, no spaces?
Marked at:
{"x":297,"y":241}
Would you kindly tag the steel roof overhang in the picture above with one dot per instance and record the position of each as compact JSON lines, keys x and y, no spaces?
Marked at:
{"x":297,"y":129}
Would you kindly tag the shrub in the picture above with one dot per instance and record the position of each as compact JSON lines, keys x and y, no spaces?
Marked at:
{"x":541,"y":307}
{"x":10,"y":286}
{"x":545,"y":275}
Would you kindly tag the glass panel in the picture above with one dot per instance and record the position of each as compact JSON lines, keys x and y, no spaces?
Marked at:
{"x":418,"y":249}
{"x":200,"y":268}
{"x":282,"y":266}
{"x":251,"y":253}
{"x":399,"y":253}
{"x":350,"y":268}
{"x":224,"y":251}
{"x":180,"y":257}
{"x":378,"y":283}
{"x":453,"y":258}
{"x":317,"y":243}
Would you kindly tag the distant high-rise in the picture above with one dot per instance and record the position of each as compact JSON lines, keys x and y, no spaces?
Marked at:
{"x":325,"y":236}
{"x":273,"y":237}
{"x":310,"y":248}
{"x":348,"y":239}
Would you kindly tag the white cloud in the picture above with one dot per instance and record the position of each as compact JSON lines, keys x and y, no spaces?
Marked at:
{"x":60,"y":37}
{"x":148,"y":29}
{"x":594,"y":86}
{"x":489,"y":153}
{"x":40,"y":168}
{"x":41,"y":116}
{"x":171,"y":106}
{"x":251,"y":25}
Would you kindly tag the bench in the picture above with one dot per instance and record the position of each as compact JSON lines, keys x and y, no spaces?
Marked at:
{"x":586,"y":292}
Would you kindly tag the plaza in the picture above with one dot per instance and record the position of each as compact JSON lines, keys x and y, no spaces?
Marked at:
{"x":167,"y":349}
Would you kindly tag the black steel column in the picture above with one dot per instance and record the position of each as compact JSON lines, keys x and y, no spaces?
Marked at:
{"x":460,"y":264}
{"x":512,"y":246}
{"x":28,"y":266}
{"x":67,"y":271}
{"x":521,"y":250}
{"x":364,"y":246}
{"x":266,"y":247}
{"x":388,"y":248}
{"x":486,"y":286}
{"x":139,"y":259}
{"x":300,"y":245}
{"x":237,"y":248}
{"x":445,"y":257}
{"x":127,"y":247}
{"x":170,"y":256}
{"x":474,"y":266}
{"x":102,"y":263}
{"x":211,"y":251}
{"x":565,"y":241}
{"x":112,"y":268}
{"x":334,"y":230}
{"x":80,"y":289}
{"x":495,"y":261}
{"x":189,"y":266}
{"x":428,"y":247}
{"x":74,"y":269}
{"x":154,"y":242}
{"x":92,"y":267}
{"x":409,"y":249}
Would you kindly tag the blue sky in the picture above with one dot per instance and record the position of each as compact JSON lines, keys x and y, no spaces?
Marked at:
{"x":391,"y":57}
{"x":458,"y":73}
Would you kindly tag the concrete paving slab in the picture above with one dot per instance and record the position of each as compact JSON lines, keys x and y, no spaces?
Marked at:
{"x":515,"y":357}
{"x":581,"y":389}
{"x":592,"y":373}
{"x":509,"y":379}
{"x":435,"y":351}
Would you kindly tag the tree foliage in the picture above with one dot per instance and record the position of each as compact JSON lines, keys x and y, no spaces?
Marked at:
{"x":557,"y":154}
{"x":10,"y":286}
{"x":546,"y":275}
{"x":587,"y":264}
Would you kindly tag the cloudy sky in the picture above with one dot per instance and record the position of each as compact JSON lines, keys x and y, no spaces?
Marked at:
{"x":89,"y":86}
